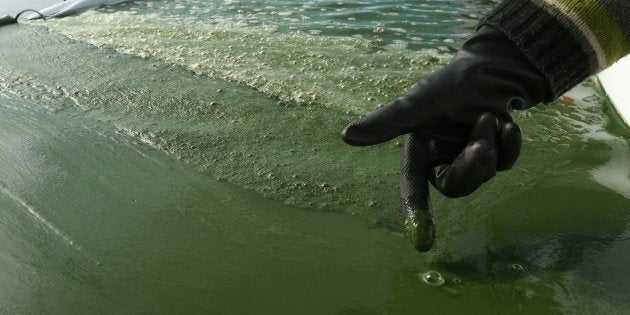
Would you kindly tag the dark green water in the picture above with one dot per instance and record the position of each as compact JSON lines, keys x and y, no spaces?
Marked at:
{"x":184,"y":157}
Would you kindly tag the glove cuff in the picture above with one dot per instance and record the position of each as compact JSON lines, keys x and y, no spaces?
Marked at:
{"x":547,"y":42}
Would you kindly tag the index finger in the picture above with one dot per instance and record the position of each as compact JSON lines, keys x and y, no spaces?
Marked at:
{"x":400,"y":117}
{"x":414,"y":193}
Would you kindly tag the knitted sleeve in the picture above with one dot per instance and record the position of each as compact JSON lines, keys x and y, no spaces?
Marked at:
{"x":567,"y":40}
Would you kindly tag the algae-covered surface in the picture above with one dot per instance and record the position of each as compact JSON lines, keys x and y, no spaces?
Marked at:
{"x":183,"y":156}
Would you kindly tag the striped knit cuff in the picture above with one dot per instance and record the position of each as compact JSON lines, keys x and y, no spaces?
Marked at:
{"x":567,"y":40}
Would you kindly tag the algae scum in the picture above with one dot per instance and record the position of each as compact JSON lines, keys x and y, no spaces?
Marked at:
{"x":184,"y":156}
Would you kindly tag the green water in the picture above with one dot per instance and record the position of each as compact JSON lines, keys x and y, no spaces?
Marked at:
{"x":184,"y":157}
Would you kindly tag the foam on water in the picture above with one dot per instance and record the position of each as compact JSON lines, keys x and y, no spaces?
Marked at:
{"x":351,"y":74}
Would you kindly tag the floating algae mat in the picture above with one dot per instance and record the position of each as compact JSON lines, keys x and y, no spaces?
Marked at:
{"x":184,"y":156}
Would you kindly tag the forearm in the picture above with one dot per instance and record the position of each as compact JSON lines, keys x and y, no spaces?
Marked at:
{"x":567,"y":40}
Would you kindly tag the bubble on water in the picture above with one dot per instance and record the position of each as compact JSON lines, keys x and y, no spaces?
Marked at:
{"x":592,"y":99}
{"x":517,"y":268}
{"x":433,"y":277}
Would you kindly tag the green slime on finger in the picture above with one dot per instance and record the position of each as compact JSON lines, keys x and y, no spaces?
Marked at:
{"x":420,"y":229}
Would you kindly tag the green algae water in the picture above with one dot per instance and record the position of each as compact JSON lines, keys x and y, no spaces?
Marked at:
{"x":184,"y":157}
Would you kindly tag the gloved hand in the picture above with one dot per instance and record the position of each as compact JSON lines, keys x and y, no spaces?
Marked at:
{"x":459,"y":123}
{"x":6,"y":20}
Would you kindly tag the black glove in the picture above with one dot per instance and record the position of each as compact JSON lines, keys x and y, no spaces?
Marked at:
{"x":459,"y":124}
{"x":6,"y":20}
